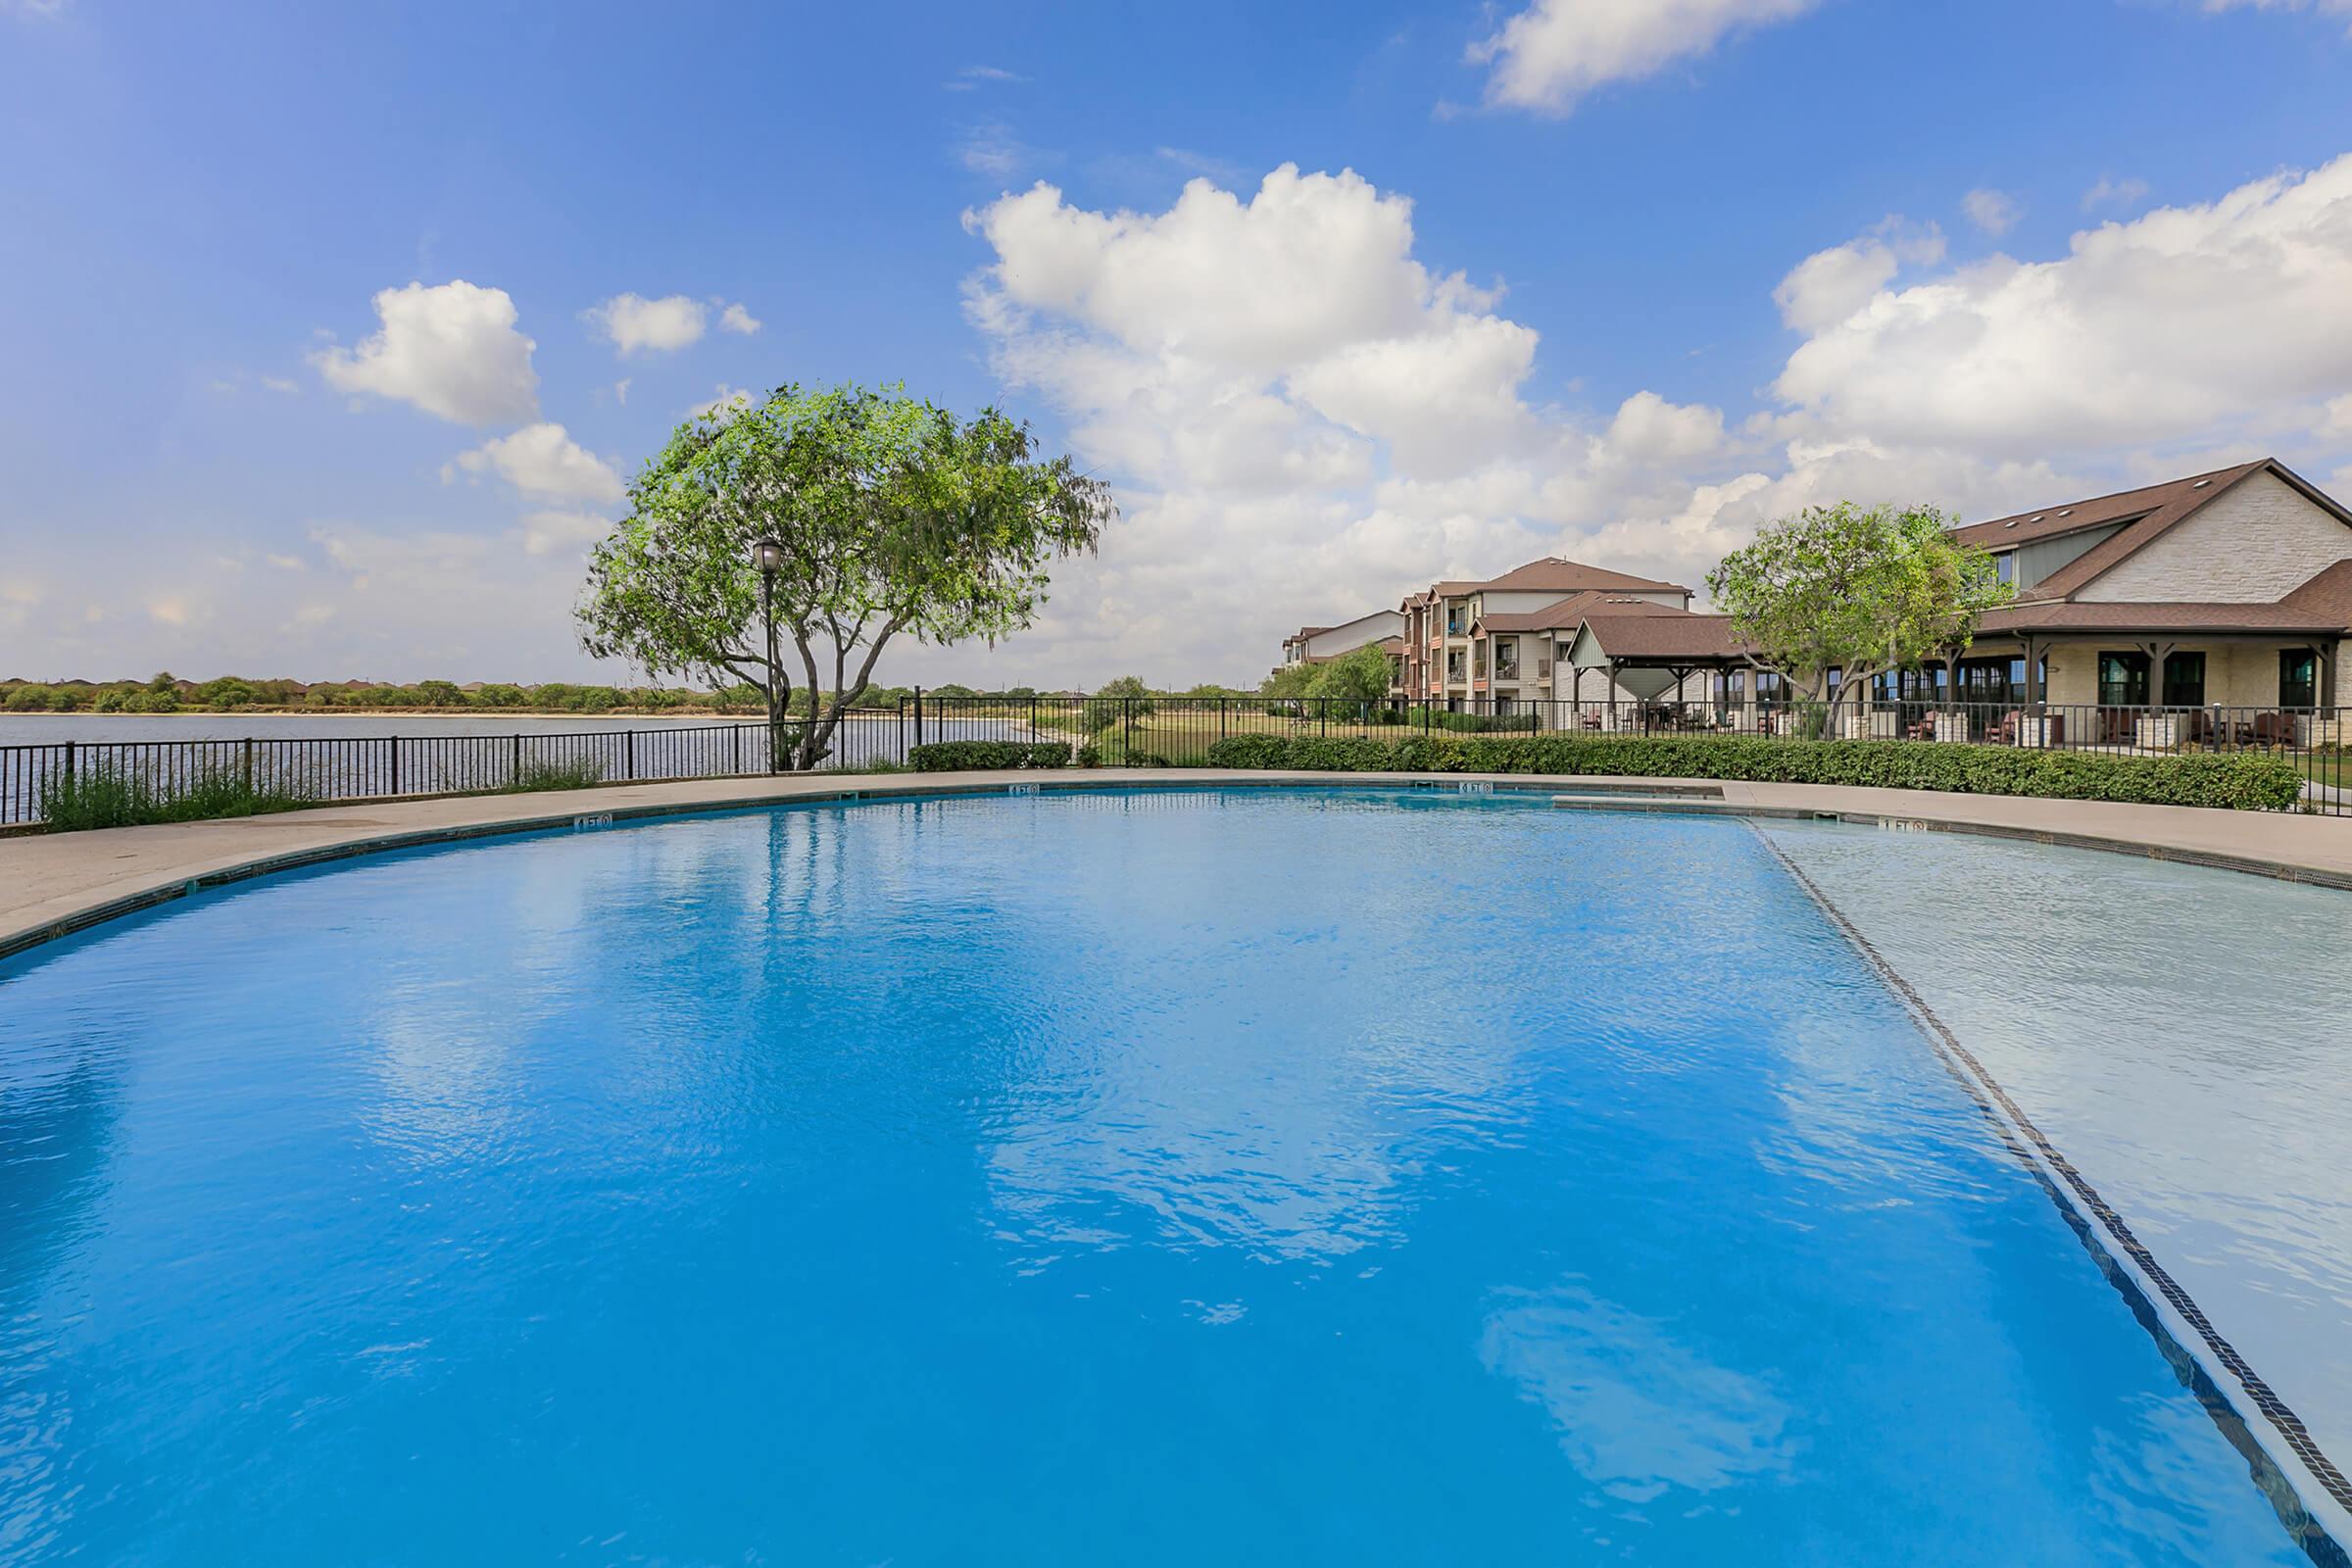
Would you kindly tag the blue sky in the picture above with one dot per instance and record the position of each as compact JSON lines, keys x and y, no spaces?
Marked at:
{"x":1611,"y":278}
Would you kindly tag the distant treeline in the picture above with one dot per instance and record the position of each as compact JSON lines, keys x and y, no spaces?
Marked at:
{"x":166,"y":693}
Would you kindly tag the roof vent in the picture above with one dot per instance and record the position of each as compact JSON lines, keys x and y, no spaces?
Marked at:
{"x":2200,"y":484}
{"x":2068,"y":513}
{"x":2011,"y":523}
{"x":2032,"y":519}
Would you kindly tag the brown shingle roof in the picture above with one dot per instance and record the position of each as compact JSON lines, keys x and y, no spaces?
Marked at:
{"x":2146,"y":514}
{"x":2073,"y":516}
{"x":1572,"y":610}
{"x":1552,"y":574}
{"x":1695,"y":637}
{"x":2322,"y":604}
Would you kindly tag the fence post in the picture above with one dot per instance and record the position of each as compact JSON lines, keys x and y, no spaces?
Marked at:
{"x":734,"y":748}
{"x":918,"y":716}
{"x":245,"y":763}
{"x":394,"y":765}
{"x":69,"y":766}
{"x":515,"y":768}
{"x":1127,"y":729}
{"x":628,"y":752}
{"x":1224,"y":706}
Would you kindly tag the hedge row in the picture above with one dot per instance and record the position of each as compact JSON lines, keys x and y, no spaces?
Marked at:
{"x":969,"y":756}
{"x":2247,"y":781}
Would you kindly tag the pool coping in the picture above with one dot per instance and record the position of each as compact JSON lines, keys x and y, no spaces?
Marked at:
{"x":55,"y":884}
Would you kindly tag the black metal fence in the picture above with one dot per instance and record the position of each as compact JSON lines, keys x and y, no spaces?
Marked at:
{"x":1132,"y":732}
{"x":336,"y":767}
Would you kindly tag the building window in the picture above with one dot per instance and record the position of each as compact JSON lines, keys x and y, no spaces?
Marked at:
{"x":1989,"y":680}
{"x":2298,"y":678}
{"x":2123,"y":680}
{"x":2185,"y":680}
{"x":1453,"y":623}
{"x":1454,"y":665}
{"x":1506,"y":659}
{"x":2005,"y":565}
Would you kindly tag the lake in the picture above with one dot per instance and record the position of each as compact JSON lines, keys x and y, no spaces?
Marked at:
{"x":358,"y":756}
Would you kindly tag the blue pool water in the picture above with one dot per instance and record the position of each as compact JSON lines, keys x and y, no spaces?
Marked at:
{"x":1251,"y":1177}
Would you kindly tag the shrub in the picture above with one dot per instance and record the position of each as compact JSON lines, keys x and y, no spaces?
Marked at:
{"x":1484,"y":723}
{"x":120,"y":797}
{"x":225,"y":694}
{"x":2241,"y":781}
{"x":579,"y":774}
{"x":968,"y":756}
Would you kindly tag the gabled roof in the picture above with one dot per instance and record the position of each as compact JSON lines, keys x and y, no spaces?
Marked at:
{"x":1552,"y":574}
{"x":1698,"y":638}
{"x":2145,"y":514}
{"x":1570,"y":612}
{"x":2322,"y":605}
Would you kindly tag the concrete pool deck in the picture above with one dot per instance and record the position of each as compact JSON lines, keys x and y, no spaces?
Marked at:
{"x":52,"y":885}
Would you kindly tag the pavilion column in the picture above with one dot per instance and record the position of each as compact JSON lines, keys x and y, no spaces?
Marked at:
{"x":2032,"y":692}
{"x":2325,"y":654}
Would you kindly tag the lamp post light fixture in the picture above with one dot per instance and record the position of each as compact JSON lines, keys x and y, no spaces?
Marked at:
{"x":768,"y":553}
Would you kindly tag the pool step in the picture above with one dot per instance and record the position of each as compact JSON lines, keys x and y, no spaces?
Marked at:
{"x":1707,"y":802}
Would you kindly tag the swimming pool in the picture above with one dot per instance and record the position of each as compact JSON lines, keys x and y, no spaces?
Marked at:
{"x":1264,"y":1175}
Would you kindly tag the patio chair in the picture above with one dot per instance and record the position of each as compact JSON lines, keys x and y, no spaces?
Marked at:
{"x":2274,"y":729}
{"x":2006,"y":733}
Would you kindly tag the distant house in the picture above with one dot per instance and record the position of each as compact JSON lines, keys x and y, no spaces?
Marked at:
{"x":1319,"y":645}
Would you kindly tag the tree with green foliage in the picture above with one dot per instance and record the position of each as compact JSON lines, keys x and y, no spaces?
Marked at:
{"x":897,"y":518}
{"x":1863,"y":591}
{"x":1363,"y":677}
{"x":1290,"y":681}
{"x":1116,"y":701}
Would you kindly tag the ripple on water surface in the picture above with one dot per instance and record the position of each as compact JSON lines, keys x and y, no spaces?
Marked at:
{"x":1257,"y":1177}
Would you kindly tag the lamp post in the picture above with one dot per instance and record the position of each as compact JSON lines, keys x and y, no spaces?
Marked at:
{"x":768,"y":553}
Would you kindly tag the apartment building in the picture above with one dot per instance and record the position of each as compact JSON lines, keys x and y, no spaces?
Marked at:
{"x":1490,"y":646}
{"x":2228,"y":590}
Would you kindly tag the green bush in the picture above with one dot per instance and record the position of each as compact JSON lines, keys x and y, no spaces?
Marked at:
{"x":119,"y":798}
{"x":2240,"y":781}
{"x":577,"y":774}
{"x":968,"y":756}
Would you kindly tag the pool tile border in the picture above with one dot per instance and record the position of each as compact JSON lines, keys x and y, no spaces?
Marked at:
{"x":2130,"y":1266}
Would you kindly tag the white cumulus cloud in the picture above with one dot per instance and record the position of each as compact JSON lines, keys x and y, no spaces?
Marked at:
{"x":632,"y":322}
{"x":452,"y":350}
{"x":2187,"y":324}
{"x":551,"y":532}
{"x":735,"y":319}
{"x":542,"y":460}
{"x":2113,"y":192}
{"x":1280,"y":387}
{"x":2324,"y":8}
{"x":1557,"y":51}
{"x":1303,"y":419}
{"x":1994,"y":212}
